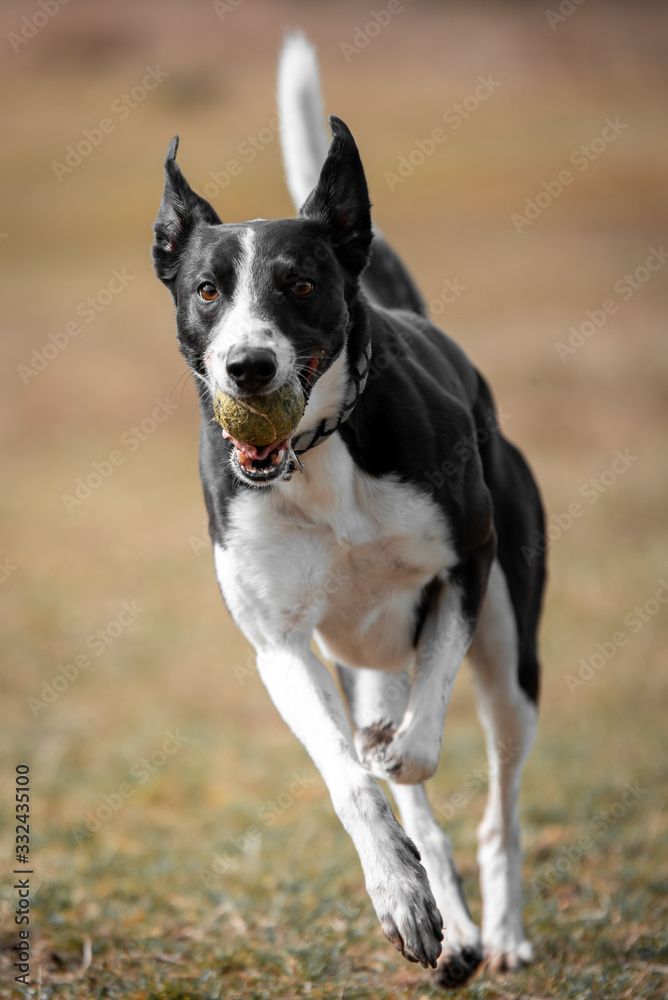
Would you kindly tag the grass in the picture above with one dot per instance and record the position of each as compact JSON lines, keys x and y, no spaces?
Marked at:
{"x":208,"y":876}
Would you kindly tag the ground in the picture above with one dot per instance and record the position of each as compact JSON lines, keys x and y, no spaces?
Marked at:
{"x":183,"y":845}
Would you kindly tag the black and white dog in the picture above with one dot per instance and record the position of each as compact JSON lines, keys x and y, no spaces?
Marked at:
{"x":388,"y":527}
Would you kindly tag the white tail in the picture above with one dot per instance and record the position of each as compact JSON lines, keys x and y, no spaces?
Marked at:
{"x":304,"y":136}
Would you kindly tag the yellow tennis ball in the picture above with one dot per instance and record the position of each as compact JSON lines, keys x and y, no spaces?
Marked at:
{"x":261,"y":420}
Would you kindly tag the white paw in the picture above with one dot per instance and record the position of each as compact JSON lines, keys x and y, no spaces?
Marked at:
{"x":396,"y":756}
{"x":406,"y":906}
{"x":508,"y":955}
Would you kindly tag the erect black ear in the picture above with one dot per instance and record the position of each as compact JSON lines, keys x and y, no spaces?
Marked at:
{"x":340,"y":199}
{"x":180,"y":211}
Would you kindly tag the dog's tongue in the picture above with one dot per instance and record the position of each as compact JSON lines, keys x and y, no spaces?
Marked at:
{"x":257,"y":454}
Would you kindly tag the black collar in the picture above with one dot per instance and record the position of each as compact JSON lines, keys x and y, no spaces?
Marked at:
{"x":358,"y":373}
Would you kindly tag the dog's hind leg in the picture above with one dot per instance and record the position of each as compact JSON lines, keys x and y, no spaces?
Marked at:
{"x":509,"y":718}
{"x":377,"y":700}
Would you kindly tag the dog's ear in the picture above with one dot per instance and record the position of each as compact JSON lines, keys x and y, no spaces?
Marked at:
{"x":180,"y":211}
{"x":340,"y":199}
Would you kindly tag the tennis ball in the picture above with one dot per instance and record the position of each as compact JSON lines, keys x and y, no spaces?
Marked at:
{"x":261,"y":420}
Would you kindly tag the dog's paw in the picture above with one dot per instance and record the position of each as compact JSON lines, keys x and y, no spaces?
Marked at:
{"x":456,"y":965}
{"x":395,"y":756}
{"x":508,"y":955}
{"x":411,"y":921}
{"x":406,"y":906}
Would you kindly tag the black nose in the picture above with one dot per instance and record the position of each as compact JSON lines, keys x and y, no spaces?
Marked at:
{"x":251,"y":369}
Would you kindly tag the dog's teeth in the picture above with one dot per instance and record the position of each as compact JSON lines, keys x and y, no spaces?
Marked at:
{"x":277,"y":457}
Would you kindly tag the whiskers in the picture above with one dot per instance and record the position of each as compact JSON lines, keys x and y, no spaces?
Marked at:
{"x":183,"y":382}
{"x":304,"y":366}
{"x":205,"y":382}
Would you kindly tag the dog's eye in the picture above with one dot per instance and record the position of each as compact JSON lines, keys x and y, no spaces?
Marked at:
{"x":207,"y":291}
{"x":302,"y":288}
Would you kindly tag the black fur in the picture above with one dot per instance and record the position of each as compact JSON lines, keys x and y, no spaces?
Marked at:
{"x":426,"y":415}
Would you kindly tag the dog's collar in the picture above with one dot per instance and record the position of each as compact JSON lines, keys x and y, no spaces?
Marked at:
{"x":358,"y":373}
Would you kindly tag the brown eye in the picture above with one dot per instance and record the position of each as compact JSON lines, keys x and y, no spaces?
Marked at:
{"x":208,"y":292}
{"x":302,"y":288}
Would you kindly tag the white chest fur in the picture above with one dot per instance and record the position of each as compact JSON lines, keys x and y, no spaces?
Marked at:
{"x":337,"y":553}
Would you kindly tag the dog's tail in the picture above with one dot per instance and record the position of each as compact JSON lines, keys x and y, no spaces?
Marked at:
{"x":305,"y":142}
{"x":304,"y":136}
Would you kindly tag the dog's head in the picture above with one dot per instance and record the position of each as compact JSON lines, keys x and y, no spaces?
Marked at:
{"x":265,"y":303}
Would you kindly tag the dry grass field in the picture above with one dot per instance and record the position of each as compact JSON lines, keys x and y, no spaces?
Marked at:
{"x":183,"y":846}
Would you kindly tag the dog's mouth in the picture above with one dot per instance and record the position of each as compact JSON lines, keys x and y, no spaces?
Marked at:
{"x":311,"y":372}
{"x":260,"y":465}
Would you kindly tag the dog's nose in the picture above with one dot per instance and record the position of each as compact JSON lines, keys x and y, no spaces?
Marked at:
{"x":251,"y":369}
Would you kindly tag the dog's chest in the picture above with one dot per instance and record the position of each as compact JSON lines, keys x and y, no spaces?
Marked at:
{"x":335,"y":552}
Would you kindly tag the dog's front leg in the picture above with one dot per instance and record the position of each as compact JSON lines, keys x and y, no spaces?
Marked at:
{"x":409,"y":754}
{"x":306,"y":696}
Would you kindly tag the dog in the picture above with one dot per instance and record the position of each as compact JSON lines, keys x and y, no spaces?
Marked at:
{"x":388,"y":526}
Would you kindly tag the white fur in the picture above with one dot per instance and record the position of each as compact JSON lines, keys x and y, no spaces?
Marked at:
{"x":304,"y":138}
{"x":413,"y":754}
{"x":326,"y":396}
{"x":412,"y":716}
{"x":509,"y":719}
{"x":335,"y":552}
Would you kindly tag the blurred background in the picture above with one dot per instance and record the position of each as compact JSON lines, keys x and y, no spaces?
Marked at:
{"x":176,"y":824}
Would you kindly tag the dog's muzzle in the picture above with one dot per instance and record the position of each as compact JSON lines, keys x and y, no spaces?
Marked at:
{"x":269,"y":463}
{"x":262,"y":466}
